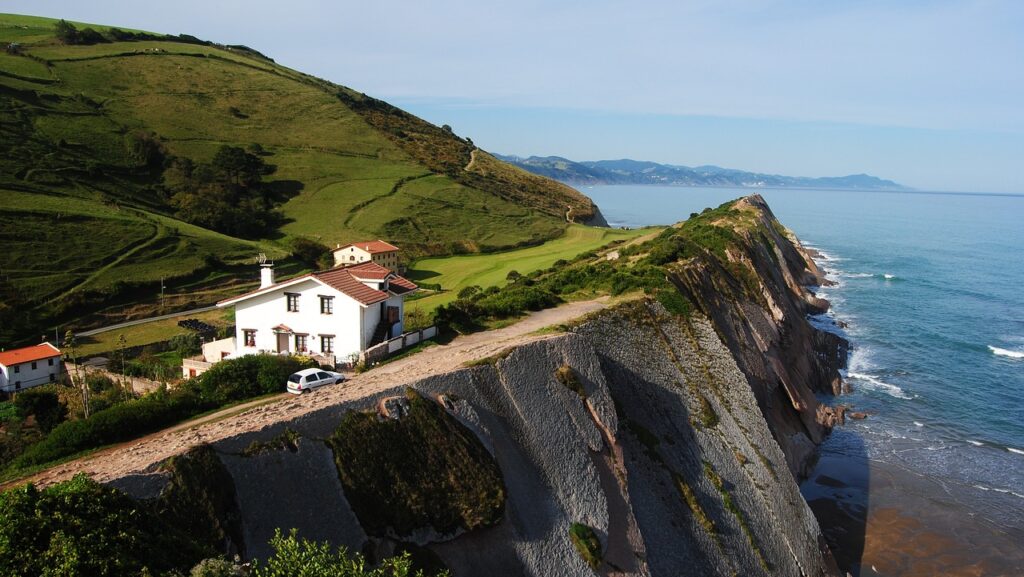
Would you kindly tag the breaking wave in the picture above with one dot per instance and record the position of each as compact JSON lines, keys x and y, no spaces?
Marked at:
{"x":1006,"y":352}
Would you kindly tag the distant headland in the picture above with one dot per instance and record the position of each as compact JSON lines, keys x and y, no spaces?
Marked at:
{"x":627,"y":171}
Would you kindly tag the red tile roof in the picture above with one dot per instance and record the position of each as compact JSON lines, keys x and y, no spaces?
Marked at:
{"x":28,"y":354}
{"x":369,"y":270}
{"x":371,"y":246}
{"x":343,"y":279}
{"x":404,"y":283}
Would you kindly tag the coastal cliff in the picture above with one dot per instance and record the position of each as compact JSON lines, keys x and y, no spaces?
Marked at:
{"x":639,"y":442}
{"x":757,"y":298}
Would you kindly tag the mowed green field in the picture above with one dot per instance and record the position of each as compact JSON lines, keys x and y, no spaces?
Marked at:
{"x":457,"y":272}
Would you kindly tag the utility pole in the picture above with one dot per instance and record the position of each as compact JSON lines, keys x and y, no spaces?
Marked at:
{"x":161,"y":295}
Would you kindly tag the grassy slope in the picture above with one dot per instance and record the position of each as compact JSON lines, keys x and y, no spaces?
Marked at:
{"x":85,"y":230}
{"x":456,"y":272}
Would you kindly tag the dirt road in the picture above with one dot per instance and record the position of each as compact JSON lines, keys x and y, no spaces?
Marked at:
{"x":138,"y":455}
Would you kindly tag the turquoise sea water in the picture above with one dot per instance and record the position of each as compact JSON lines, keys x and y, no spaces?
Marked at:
{"x":932,"y":286}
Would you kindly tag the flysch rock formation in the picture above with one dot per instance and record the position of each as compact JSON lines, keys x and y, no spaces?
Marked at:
{"x":677,"y":443}
{"x":612,"y":460}
{"x":786,"y":359}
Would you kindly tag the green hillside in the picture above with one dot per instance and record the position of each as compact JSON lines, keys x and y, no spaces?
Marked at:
{"x":123,"y":153}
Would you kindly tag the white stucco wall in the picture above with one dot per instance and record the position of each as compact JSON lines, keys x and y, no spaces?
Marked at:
{"x":266,"y":311}
{"x":350,"y":255}
{"x":214,"y":351}
{"x":29,"y":377}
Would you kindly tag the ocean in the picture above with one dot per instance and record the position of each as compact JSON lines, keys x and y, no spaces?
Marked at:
{"x":931,"y":287}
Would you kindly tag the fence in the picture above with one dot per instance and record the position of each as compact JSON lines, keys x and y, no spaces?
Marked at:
{"x":389,"y":347}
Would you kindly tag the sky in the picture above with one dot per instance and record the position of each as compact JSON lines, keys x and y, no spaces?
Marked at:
{"x":927,"y":93}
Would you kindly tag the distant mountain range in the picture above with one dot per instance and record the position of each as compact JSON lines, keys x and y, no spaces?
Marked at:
{"x":640,"y":172}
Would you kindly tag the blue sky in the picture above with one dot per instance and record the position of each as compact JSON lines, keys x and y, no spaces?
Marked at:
{"x":930,"y":94}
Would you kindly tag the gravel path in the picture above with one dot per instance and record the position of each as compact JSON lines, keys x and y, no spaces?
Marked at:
{"x":136,"y":456}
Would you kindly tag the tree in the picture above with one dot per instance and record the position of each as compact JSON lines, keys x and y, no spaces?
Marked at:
{"x":238,"y":167}
{"x":468,"y":292}
{"x":44,"y":405}
{"x":126,"y":386}
{"x":66,"y":32}
{"x":310,"y":252}
{"x":71,"y":354}
{"x":513,"y":276}
{"x":226,"y":195}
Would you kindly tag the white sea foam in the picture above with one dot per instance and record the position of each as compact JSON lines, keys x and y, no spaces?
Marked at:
{"x":1006,"y":352}
{"x":918,"y":424}
{"x":875,"y":384}
{"x":856,"y":274}
{"x":975,"y":443}
{"x":998,"y":490}
{"x":1018,"y":451}
{"x":889,"y":276}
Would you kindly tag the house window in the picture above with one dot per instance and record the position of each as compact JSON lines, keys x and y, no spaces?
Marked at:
{"x":33,"y":365}
{"x":327,"y":344}
{"x":53,"y":378}
{"x":250,"y":337}
{"x":293,"y":302}
{"x":326,"y":305}
{"x":352,"y":258}
{"x":17,"y":368}
{"x":50,"y":362}
{"x":300,"y":343}
{"x":17,"y":385}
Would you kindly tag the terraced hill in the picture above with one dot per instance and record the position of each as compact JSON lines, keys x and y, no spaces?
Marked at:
{"x":99,"y":130}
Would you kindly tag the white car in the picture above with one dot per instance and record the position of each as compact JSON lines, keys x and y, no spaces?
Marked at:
{"x":309,"y":379}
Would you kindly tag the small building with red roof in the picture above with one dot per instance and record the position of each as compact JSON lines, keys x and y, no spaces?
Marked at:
{"x":378,"y":251}
{"x":333,"y":313}
{"x":29,"y":367}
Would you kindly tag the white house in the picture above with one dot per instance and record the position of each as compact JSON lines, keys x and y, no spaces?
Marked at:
{"x":334,"y":313}
{"x":378,"y":251}
{"x":29,"y":367}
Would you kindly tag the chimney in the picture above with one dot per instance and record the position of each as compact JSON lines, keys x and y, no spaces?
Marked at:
{"x":266,"y":274}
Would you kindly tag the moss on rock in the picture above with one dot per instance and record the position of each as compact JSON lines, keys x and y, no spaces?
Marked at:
{"x":586,"y":543}
{"x":200,"y":499}
{"x":424,"y":470}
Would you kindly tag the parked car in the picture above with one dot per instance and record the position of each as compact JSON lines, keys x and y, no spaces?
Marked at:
{"x":309,"y":379}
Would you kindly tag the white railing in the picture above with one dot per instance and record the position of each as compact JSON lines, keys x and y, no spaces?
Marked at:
{"x":389,"y":347}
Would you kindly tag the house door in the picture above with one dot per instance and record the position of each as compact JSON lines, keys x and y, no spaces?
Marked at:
{"x":282,"y":342}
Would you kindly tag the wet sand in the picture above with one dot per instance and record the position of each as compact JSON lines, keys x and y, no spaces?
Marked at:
{"x":881,"y":519}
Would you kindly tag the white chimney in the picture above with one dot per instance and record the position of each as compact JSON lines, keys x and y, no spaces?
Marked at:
{"x":266,"y":274}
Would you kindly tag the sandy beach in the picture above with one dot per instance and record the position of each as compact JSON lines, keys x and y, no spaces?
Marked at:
{"x":881,"y":519}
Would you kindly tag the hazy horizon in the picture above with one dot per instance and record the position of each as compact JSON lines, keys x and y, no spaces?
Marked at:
{"x":927,"y":94}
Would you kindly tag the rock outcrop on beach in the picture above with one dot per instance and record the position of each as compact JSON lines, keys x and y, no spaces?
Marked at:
{"x":640,"y":442}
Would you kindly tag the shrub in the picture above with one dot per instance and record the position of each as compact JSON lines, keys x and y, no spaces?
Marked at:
{"x":80,"y":528}
{"x":115,"y":424}
{"x":246,"y":377}
{"x":294,"y":556}
{"x":468,"y":292}
{"x":217,"y":568}
{"x":586,"y":543}
{"x":567,"y":376}
{"x":186,"y":344}
{"x":516,"y":300}
{"x":44,"y":405}
{"x":311,"y":253}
